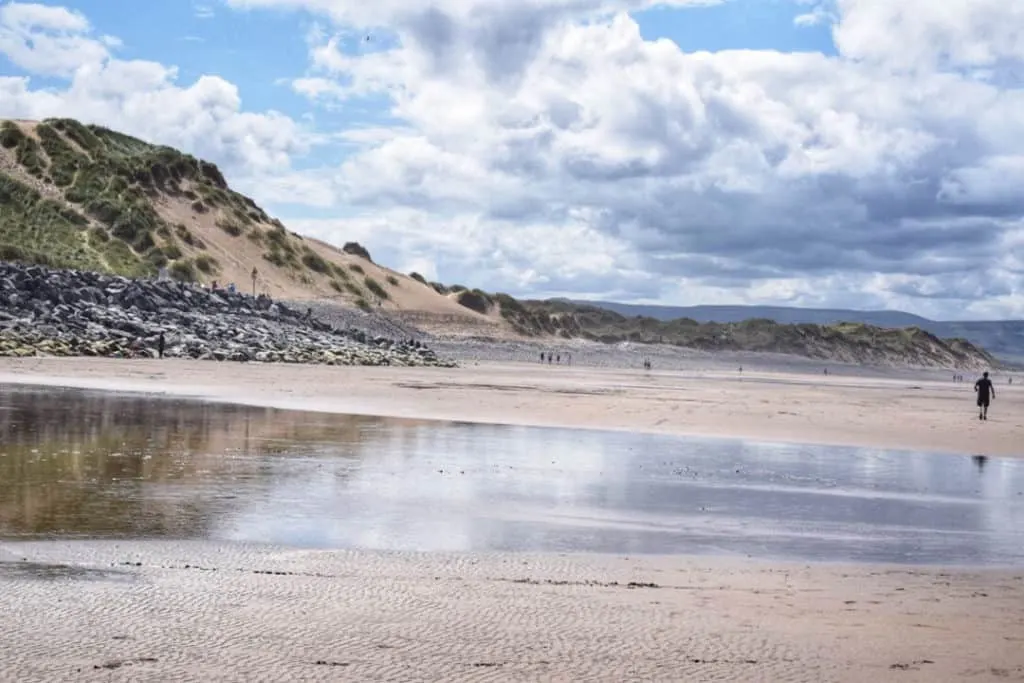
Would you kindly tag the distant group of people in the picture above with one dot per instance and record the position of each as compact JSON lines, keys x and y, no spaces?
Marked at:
{"x":556,"y":358}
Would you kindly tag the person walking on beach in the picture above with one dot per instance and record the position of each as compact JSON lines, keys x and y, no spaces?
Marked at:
{"x":160,"y":344}
{"x":986,"y":392}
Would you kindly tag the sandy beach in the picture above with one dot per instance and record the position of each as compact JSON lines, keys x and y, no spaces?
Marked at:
{"x":912,"y":413}
{"x":197,"y":611}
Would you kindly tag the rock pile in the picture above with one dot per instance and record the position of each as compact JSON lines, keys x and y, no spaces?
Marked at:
{"x":372,"y":322}
{"x":70,"y":313}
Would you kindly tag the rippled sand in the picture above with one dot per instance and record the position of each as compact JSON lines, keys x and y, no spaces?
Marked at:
{"x":159,"y":611}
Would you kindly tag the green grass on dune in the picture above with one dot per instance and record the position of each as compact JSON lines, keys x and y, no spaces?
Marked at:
{"x":109,"y":179}
{"x":38,"y":230}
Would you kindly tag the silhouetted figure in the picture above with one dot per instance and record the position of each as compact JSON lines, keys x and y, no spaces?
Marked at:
{"x":551,"y":357}
{"x":541,"y":356}
{"x":980,"y":461}
{"x":558,"y":359}
{"x":160,"y":344}
{"x":986,"y":393}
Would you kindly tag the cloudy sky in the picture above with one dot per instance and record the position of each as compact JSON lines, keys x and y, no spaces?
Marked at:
{"x":843,"y":153}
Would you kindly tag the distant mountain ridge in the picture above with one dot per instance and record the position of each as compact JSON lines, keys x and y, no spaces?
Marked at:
{"x":1003,"y":338}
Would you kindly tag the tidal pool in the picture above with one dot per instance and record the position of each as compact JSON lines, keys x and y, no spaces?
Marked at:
{"x":77,"y":464}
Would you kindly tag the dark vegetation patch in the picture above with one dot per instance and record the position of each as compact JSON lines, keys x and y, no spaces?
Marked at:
{"x":357,"y":249}
{"x":375,"y":288}
{"x":474,"y":300}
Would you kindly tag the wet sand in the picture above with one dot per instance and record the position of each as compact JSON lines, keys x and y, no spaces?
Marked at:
{"x":198,"y":612}
{"x":907,"y":413}
{"x":86,"y":464}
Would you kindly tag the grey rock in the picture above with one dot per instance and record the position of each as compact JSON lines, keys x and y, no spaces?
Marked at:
{"x":55,"y":312}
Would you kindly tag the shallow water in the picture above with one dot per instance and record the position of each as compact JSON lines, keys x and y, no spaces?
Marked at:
{"x":84,"y":464}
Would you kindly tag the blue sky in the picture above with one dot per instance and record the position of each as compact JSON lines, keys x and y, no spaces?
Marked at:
{"x":737,"y":25}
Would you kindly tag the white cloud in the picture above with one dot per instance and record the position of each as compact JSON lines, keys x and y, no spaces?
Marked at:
{"x":928,"y":34}
{"x":797,"y":177}
{"x":318,"y":88}
{"x":819,"y":14}
{"x":48,"y":40}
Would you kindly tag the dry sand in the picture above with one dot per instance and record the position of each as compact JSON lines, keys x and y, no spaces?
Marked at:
{"x":199,"y":612}
{"x":921,"y":414}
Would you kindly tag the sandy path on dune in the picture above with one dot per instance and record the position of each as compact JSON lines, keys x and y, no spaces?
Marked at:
{"x":197,"y":612}
{"x":773,"y":406}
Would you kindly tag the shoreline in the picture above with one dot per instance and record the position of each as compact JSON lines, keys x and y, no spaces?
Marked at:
{"x":762,"y":404}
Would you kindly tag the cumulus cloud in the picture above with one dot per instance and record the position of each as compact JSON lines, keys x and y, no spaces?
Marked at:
{"x":46,"y":40}
{"x":882,"y":176}
{"x":926,"y":35}
{"x":142,"y":98}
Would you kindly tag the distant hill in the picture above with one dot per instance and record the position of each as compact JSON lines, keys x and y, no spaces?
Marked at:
{"x":85,"y":197}
{"x":1004,"y":338}
{"x":780,"y":314}
{"x":840,"y":342}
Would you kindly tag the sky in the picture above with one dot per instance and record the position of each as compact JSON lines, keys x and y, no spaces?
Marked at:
{"x":858,"y":154}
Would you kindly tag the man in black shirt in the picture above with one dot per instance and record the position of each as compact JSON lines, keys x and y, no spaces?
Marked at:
{"x":986,"y":392}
